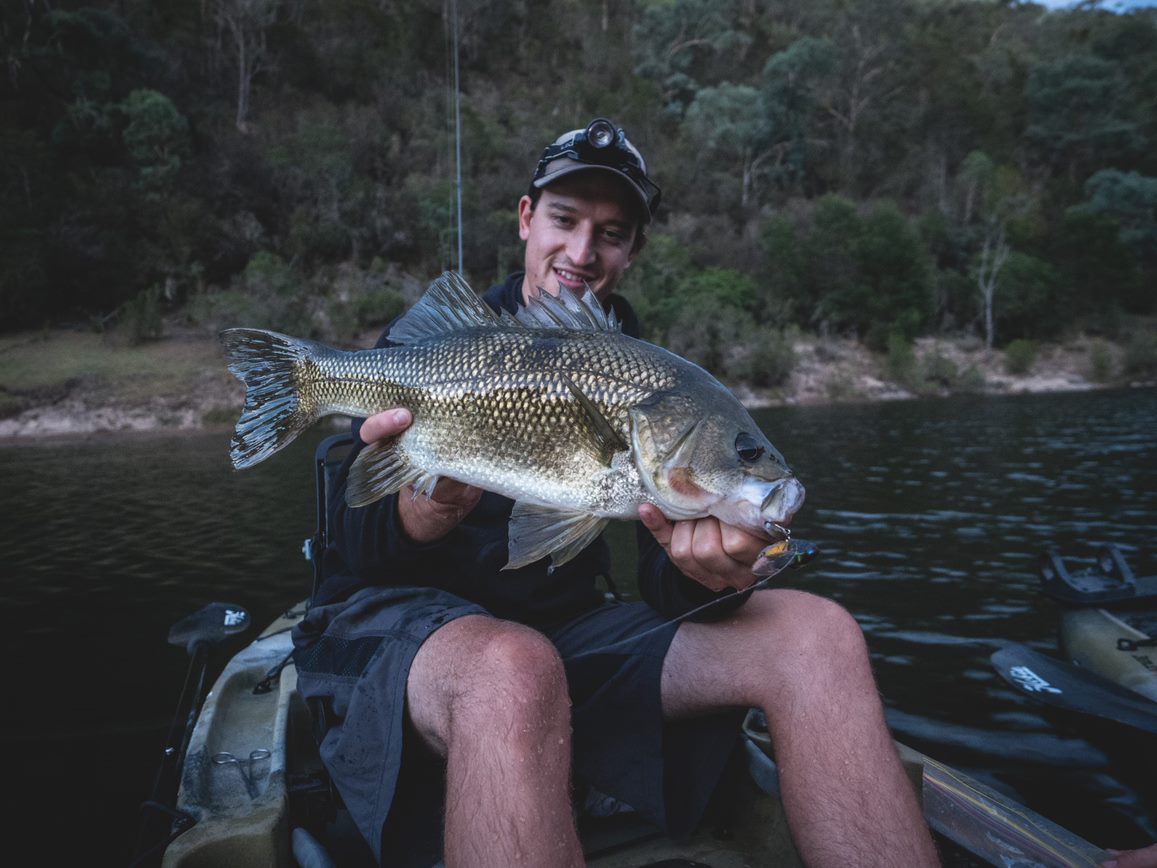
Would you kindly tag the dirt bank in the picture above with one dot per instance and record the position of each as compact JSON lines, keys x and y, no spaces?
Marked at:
{"x":64,"y":382}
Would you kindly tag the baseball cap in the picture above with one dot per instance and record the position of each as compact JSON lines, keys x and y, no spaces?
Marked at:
{"x":599,"y":145}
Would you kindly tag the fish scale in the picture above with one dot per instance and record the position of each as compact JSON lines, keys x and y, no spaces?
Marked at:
{"x":555,"y":409}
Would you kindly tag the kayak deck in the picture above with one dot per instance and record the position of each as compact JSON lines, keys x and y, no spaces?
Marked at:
{"x":255,"y":790}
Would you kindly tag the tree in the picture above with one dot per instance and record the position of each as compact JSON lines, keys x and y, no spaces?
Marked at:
{"x":792,"y":82}
{"x":728,"y":121}
{"x":1077,"y":114}
{"x":676,"y":43}
{"x":156,"y":135}
{"x":1131,"y":200}
{"x":993,"y":197}
{"x":246,"y":21}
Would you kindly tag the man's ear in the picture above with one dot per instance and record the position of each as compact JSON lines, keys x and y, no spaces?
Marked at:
{"x":525,"y":211}
{"x":640,"y":243}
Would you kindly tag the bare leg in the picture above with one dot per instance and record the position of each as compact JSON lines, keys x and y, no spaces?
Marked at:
{"x":492,"y":698}
{"x":802,"y":659}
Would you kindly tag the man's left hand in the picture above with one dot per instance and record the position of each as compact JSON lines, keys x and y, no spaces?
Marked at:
{"x":716,"y":555}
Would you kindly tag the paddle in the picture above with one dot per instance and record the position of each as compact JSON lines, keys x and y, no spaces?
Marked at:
{"x":197,"y":633}
{"x":1066,"y":686}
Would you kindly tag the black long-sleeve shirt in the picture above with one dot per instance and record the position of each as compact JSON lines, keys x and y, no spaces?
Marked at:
{"x":368,"y":546}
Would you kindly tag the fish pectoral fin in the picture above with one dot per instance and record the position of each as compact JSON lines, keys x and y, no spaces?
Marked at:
{"x":537,"y":531}
{"x":607,"y":439}
{"x":379,"y":470}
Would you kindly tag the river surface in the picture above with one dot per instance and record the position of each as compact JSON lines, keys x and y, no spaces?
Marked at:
{"x":930,"y":516}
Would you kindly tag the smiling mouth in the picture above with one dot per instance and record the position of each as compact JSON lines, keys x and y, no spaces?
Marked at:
{"x":571,"y":278}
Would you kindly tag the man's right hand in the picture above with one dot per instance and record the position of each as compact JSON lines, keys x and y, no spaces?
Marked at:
{"x":424,"y":519}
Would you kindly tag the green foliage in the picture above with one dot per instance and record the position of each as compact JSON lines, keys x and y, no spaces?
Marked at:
{"x":1102,"y":365}
{"x":142,"y":316}
{"x":1096,"y":269}
{"x":793,"y":82}
{"x":1140,"y":356}
{"x":843,"y":272}
{"x":769,"y":358}
{"x":1131,"y":200}
{"x":936,"y":369}
{"x":900,"y":361}
{"x":971,"y":380}
{"x":1020,"y":355}
{"x":156,"y":135}
{"x":767,"y":125}
{"x":1030,"y":298}
{"x":1077,"y":113}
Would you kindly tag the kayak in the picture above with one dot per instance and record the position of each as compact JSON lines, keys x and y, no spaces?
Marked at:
{"x":1108,"y":637}
{"x":252,"y":791}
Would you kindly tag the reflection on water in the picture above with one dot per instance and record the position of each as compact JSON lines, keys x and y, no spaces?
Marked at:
{"x":930,"y":517}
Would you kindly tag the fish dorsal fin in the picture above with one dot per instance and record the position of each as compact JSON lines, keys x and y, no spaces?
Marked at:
{"x":580,"y":313}
{"x":449,"y":305}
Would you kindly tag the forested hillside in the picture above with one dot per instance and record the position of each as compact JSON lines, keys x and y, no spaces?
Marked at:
{"x":885,"y":169}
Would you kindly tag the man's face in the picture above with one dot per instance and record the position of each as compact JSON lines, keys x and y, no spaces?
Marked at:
{"x":582,"y":231}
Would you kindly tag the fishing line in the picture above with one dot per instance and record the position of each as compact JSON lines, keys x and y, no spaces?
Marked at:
{"x":791,"y":553}
{"x":457,"y":126}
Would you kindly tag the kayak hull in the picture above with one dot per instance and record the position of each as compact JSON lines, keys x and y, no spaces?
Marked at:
{"x":1091,"y":639}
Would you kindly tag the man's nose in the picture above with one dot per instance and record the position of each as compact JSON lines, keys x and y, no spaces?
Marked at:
{"x":580,"y":247}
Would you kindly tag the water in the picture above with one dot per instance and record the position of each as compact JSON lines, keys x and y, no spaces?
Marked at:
{"x":930,"y":517}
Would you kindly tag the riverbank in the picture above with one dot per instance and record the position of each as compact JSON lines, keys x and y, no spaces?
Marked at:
{"x":75,"y":382}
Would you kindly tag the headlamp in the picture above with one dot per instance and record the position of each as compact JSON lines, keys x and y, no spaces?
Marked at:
{"x":600,"y":133}
{"x":604,"y":145}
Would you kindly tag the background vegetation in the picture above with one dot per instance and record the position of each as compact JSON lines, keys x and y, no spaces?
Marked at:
{"x":884,"y":169}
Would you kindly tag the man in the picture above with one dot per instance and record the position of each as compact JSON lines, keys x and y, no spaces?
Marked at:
{"x":420,"y":647}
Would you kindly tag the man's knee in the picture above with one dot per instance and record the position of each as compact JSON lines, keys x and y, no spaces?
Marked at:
{"x":517,"y":665}
{"x":479,"y":676}
{"x":817,"y":629}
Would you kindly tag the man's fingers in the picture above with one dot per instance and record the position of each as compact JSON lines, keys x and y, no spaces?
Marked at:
{"x":657,"y":523}
{"x":388,"y":423}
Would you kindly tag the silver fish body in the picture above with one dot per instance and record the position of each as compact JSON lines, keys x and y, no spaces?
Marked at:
{"x":555,"y":409}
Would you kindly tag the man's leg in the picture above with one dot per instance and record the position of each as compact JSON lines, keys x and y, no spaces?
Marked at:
{"x":803,"y":660}
{"x":491,"y":696}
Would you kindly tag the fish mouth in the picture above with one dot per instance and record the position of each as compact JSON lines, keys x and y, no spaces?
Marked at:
{"x":780,"y":504}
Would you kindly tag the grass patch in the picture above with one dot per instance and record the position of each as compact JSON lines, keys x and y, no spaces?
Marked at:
{"x":38,"y":363}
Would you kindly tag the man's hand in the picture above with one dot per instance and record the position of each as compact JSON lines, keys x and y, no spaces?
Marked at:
{"x":1144,"y":858}
{"x":714,"y":554}
{"x":424,"y":519}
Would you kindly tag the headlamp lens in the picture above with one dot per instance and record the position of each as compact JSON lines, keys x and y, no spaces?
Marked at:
{"x":600,"y":133}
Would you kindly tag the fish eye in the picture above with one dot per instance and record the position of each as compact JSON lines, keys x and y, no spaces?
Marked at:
{"x":748,"y":448}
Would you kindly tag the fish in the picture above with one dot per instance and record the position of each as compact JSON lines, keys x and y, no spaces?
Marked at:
{"x":554,"y":408}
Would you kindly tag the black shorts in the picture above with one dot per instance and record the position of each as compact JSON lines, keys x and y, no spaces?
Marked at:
{"x":353,"y":659}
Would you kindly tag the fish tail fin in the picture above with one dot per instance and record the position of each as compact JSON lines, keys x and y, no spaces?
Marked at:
{"x":280,"y":400}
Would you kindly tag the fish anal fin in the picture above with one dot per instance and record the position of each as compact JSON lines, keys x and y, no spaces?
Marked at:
{"x":537,"y":531}
{"x":609,"y":440}
{"x":379,"y":469}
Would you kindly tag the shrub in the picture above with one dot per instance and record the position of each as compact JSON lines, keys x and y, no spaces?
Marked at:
{"x":1020,"y":355}
{"x":769,"y":359}
{"x":901,"y":360}
{"x":1140,"y":359}
{"x":971,"y":380}
{"x":142,"y":315}
{"x":1101,"y":362}
{"x":939,"y":369}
